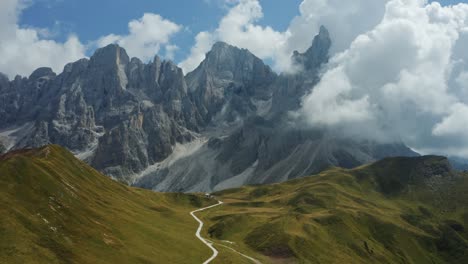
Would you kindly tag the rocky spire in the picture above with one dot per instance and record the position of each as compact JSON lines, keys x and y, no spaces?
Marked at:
{"x":109,"y":56}
{"x":317,"y":54}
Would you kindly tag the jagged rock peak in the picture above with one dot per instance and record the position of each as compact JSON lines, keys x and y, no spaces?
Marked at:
{"x":317,"y":54}
{"x":231,"y":63}
{"x":223,"y":53}
{"x":4,"y":82}
{"x":42,"y":72}
{"x":221,"y":46}
{"x":78,"y":65}
{"x":4,"y":77}
{"x":110,"y":54}
{"x":323,"y":33}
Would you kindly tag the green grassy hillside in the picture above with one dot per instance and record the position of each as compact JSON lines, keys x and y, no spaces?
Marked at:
{"x":56,"y":209}
{"x":400,"y":210}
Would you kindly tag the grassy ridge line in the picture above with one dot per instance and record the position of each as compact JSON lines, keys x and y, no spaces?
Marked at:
{"x":57,"y":209}
{"x":401,"y":210}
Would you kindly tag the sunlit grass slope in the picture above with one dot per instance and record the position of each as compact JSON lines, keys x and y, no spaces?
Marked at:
{"x":56,"y":209}
{"x":399,"y":210}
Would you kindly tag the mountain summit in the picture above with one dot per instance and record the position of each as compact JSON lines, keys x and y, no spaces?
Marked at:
{"x":230,"y":77}
{"x":317,"y":54}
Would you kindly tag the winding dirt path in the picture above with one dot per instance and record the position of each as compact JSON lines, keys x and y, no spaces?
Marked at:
{"x":200,"y":227}
{"x":209,"y":243}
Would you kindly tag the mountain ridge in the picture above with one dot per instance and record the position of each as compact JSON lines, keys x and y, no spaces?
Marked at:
{"x":351,"y":216}
{"x":57,"y":209}
{"x":126,"y":117}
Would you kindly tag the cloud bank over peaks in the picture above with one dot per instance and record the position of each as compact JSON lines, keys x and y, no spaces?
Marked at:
{"x":403,"y":78}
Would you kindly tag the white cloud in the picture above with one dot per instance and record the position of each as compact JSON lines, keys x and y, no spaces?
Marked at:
{"x":146,"y":37}
{"x":238,"y":28}
{"x":455,"y":124}
{"x":203,"y":42}
{"x":344,"y":19}
{"x":462,"y":80}
{"x":22,"y":50}
{"x":398,"y":79}
{"x":331,"y":107}
{"x":170,"y":51}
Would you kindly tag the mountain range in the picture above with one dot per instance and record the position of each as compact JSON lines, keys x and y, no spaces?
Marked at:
{"x":228,"y":123}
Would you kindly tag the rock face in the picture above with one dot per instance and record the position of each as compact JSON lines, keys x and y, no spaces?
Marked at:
{"x":118,"y":114}
{"x":230,"y":83}
{"x":223,"y":125}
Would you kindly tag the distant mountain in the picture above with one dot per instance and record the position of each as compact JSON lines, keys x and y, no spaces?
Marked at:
{"x":459,"y":163}
{"x":252,"y":140}
{"x":397,"y":210}
{"x":57,"y":209}
{"x":230,"y":84}
{"x":223,"y":125}
{"x":118,"y":114}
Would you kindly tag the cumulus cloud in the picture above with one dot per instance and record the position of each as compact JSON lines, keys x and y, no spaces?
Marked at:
{"x":170,"y":51}
{"x":455,"y":123}
{"x":238,"y":28}
{"x":402,"y":78}
{"x":146,"y":37}
{"x":344,"y":19}
{"x":203,"y":42}
{"x":22,"y":50}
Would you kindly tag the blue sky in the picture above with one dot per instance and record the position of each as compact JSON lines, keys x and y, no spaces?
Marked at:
{"x":91,"y":19}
